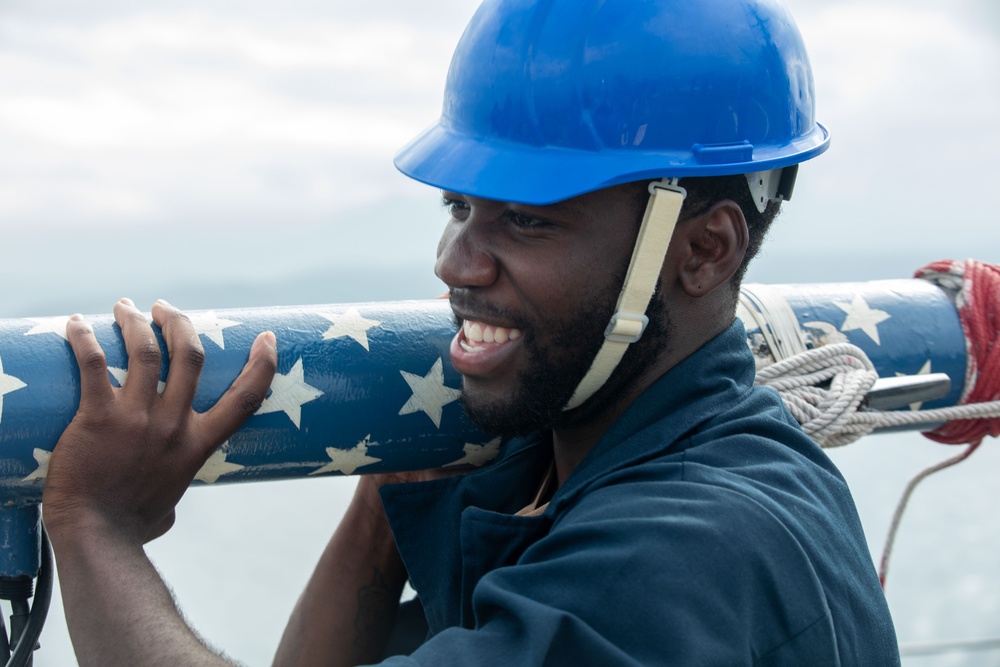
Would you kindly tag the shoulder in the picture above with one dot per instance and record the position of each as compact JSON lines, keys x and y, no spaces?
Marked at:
{"x":707,"y":523}
{"x":706,"y":571}
{"x":753,"y":552}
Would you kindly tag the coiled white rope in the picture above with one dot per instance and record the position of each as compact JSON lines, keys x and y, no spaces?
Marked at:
{"x":824,"y":388}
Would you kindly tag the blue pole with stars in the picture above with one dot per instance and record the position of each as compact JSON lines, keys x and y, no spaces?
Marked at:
{"x":369,"y":387}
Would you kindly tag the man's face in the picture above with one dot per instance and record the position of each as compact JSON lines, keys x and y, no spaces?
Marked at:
{"x":533,"y":288}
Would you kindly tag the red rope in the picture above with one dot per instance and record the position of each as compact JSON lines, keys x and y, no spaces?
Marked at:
{"x":977,"y":297}
{"x":978,"y":305}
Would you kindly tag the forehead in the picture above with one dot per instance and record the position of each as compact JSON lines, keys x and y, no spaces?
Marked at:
{"x":622,"y":199}
{"x":614,"y":208}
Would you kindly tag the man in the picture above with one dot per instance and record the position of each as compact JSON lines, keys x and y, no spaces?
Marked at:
{"x":655,"y":508}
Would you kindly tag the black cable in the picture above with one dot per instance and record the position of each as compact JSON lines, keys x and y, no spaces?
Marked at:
{"x":20,"y":611}
{"x":39,"y":609}
{"x":4,"y":641}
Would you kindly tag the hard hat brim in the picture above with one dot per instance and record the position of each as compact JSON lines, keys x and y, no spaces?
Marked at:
{"x":540,"y":175}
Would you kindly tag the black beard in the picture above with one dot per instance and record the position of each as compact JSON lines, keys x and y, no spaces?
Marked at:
{"x":638,"y":359}
{"x":554,"y":373}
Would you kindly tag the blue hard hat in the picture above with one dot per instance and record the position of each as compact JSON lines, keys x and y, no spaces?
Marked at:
{"x":548,"y":99}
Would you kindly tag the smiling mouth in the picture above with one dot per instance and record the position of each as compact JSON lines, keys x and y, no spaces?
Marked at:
{"x":479,"y":336}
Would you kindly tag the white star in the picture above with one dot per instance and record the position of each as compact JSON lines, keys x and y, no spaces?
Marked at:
{"x":861,"y":316}
{"x":477,"y":455}
{"x":289,"y":393}
{"x":44,"y":325}
{"x":429,"y":393}
{"x":210,"y":325}
{"x":828,"y":333}
{"x":350,"y":324}
{"x":924,"y":370}
{"x":121,"y":374}
{"x":8,"y":383}
{"x":216,"y":466}
{"x":42,"y":459}
{"x":346,"y":461}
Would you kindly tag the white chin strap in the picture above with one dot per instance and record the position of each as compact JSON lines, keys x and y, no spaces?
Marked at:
{"x":629,"y":320}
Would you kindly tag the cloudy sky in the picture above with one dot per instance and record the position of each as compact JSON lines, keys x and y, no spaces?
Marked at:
{"x":239,"y":154}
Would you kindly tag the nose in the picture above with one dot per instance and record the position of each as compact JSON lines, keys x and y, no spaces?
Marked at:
{"x":464,"y":257}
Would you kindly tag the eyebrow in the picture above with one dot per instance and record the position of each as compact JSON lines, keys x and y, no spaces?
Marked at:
{"x":561,"y":208}
{"x":566,"y":206}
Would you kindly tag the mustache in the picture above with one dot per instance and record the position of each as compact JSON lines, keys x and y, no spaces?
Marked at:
{"x":480,"y":309}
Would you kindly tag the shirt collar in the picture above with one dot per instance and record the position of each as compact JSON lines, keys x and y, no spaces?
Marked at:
{"x":688,"y":395}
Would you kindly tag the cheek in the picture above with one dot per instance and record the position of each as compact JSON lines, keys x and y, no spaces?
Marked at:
{"x":594,"y":269}
{"x":560,"y":286}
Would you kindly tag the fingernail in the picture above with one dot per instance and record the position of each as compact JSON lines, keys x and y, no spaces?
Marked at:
{"x":79,"y":319}
{"x":127,"y":301}
{"x":163,"y":302}
{"x":266,"y":338}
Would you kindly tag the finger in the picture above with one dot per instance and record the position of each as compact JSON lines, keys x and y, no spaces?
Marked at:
{"x":94,"y":383}
{"x":142,"y":349}
{"x":245,"y":396}
{"x":187,"y":356}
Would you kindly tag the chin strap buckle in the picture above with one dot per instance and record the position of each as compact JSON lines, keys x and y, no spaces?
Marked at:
{"x":626,"y":327}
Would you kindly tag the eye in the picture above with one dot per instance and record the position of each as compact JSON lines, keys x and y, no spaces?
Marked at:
{"x":525,"y":221}
{"x":456,"y":208}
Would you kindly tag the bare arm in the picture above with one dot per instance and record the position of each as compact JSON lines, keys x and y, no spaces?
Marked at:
{"x":118,"y":610}
{"x":116,"y":475}
{"x":346,"y":613}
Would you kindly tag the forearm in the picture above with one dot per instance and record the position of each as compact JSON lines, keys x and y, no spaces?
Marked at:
{"x":348,"y":608}
{"x":118,"y":609}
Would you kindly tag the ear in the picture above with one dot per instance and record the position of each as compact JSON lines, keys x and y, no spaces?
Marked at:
{"x":713,"y":245}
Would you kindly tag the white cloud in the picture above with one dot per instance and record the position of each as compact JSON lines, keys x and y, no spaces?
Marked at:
{"x":908,"y":92}
{"x":174,"y":82}
{"x":166,"y":116}
{"x":869,"y":58}
{"x":183,"y":112}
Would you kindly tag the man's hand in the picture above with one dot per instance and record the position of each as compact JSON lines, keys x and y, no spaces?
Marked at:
{"x":130,"y":452}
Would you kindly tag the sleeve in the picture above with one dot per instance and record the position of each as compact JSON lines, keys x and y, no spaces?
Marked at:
{"x":628,"y":576}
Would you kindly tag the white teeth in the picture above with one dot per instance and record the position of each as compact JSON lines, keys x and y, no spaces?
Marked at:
{"x":476,"y":332}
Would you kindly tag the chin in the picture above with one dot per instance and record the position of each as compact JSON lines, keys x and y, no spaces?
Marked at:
{"x":515,"y":414}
